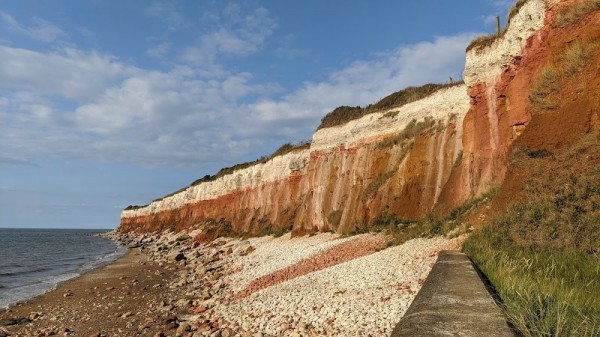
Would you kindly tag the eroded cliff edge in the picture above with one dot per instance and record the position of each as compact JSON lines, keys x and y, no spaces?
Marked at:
{"x":431,"y":154}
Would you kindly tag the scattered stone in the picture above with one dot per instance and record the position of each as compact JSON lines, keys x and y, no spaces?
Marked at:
{"x":182,"y":329}
{"x":14,"y":321}
{"x":227,"y":333}
{"x":178,"y":257}
{"x":127,"y":314}
{"x":183,"y":237}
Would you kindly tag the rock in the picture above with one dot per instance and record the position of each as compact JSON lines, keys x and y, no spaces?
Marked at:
{"x":227,"y":333}
{"x":247,"y":251}
{"x":182,"y":238}
{"x":14,"y":321}
{"x":210,"y":303}
{"x":178,"y":257}
{"x":182,"y":329}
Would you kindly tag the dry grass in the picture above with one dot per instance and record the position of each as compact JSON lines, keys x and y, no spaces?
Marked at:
{"x":572,"y":14}
{"x":553,"y":76}
{"x":485,"y":41}
{"x":376,"y":183}
{"x":335,"y":218}
{"x":576,"y":56}
{"x":411,"y":130}
{"x":546,"y":84}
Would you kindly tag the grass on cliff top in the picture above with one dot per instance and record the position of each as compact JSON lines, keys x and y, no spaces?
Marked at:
{"x":542,"y":255}
{"x":343,"y":114}
{"x":282,"y":150}
{"x":484,"y":41}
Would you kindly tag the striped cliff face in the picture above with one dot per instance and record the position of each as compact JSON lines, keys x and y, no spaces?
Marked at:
{"x":394,"y":161}
{"x":432,"y":154}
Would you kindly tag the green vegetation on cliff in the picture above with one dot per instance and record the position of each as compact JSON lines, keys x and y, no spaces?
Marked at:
{"x":543,"y":254}
{"x":344,"y":114}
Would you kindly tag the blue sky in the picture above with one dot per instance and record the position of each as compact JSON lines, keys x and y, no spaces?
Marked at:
{"x":108,"y":103}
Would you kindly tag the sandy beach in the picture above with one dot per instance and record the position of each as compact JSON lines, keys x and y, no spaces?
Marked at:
{"x":119,"y":299}
{"x":173,"y":285}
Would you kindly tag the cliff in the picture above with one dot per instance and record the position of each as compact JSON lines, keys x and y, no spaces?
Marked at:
{"x":432,"y":154}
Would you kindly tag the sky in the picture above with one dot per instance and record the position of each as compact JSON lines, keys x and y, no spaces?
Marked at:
{"x":108,"y":103}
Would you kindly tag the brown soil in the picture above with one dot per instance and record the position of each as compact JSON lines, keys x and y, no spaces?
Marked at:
{"x":125,"y":298}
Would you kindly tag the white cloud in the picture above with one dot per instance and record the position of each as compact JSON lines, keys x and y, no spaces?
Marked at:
{"x":365,"y":82}
{"x":41,"y":30}
{"x":238,"y":31}
{"x":185,"y":116}
{"x":71,"y":73}
{"x":169,"y":14}
{"x":159,"y":50}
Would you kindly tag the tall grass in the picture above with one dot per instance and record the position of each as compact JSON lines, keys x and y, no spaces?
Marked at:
{"x":543,"y":254}
{"x":544,"y":292}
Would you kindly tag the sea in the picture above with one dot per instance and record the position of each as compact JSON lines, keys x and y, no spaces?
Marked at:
{"x":34,"y":261}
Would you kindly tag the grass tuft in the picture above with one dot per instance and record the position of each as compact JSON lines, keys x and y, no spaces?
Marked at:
{"x":546,"y":84}
{"x":376,"y":183}
{"x":572,"y":14}
{"x":412,"y":129}
{"x":576,"y":56}
{"x":552,"y":77}
{"x":485,"y":41}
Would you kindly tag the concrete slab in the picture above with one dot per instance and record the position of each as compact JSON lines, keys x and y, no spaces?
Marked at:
{"x":454,"y":301}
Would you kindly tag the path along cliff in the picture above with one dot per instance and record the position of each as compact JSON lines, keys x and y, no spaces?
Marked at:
{"x":535,"y":87}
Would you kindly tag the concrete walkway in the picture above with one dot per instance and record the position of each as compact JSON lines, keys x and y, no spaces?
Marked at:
{"x":453,"y":302}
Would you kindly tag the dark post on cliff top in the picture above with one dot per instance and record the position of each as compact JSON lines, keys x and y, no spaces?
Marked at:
{"x":497,"y":25}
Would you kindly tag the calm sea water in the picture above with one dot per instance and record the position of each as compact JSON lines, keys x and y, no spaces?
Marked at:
{"x":33,"y":261}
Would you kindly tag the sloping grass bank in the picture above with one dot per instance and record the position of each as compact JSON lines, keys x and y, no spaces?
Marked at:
{"x":543,"y":254}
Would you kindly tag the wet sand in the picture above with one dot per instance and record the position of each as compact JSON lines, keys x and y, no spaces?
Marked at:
{"x":128,"y":297}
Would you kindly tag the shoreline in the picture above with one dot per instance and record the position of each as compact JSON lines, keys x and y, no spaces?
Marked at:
{"x":26,"y":273}
{"x":173,"y":285}
{"x":90,"y":304}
